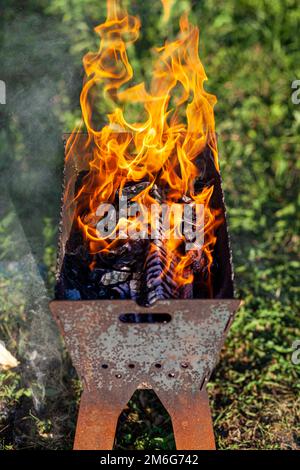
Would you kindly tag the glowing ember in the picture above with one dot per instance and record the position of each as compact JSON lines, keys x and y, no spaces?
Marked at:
{"x":159,"y":153}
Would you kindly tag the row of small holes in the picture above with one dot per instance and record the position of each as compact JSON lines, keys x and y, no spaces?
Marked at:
{"x":184,"y":365}
{"x":171,"y":375}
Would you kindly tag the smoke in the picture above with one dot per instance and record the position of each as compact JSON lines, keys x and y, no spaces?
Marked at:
{"x":39,"y":74}
{"x":26,"y":304}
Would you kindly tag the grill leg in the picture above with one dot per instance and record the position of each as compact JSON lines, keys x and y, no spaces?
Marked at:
{"x":191,"y":418}
{"x":97,"y":422}
{"x":189,"y":412}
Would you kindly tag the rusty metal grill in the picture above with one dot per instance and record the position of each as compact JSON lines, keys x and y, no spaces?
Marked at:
{"x":114,"y":358}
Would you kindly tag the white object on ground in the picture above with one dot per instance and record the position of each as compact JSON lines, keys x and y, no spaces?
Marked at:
{"x":7,"y":360}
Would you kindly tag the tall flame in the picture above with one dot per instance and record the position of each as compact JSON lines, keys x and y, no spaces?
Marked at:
{"x":167,"y":6}
{"x":163,"y":147}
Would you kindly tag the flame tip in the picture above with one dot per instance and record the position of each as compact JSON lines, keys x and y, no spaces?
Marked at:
{"x":164,"y":147}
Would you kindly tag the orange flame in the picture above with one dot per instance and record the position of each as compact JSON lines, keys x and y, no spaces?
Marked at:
{"x":161,"y":148}
{"x":167,"y":6}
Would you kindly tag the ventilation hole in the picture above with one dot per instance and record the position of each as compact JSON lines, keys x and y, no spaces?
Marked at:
{"x":104,"y":366}
{"x":118,"y":376}
{"x":145,"y":318}
{"x":184,"y":365}
{"x":131,"y":366}
{"x":171,"y":375}
{"x":158,"y":365}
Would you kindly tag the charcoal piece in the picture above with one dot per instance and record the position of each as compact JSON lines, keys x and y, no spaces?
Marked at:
{"x":187,"y":290}
{"x":75,"y":272}
{"x":122,"y":291}
{"x":75,"y":244}
{"x":135,"y":285}
{"x":128,"y":256}
{"x":72,"y":294}
{"x":114,"y":277}
{"x":157,"y":294}
{"x":96,"y":275}
{"x":133,"y":189}
{"x":157,"y":284}
{"x":154,"y":283}
{"x":186,"y":199}
{"x":157,"y":194}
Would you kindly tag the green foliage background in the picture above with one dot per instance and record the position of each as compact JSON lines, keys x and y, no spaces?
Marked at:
{"x":251,"y":53}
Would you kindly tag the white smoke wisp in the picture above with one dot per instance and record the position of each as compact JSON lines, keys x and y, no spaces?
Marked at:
{"x":39,"y":346}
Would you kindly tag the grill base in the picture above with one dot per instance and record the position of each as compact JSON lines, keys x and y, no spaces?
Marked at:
{"x":114,"y":358}
{"x":190,"y":415}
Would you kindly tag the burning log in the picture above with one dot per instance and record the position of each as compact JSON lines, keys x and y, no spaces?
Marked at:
{"x":144,"y":270}
{"x":157,"y":282}
{"x":140,"y":270}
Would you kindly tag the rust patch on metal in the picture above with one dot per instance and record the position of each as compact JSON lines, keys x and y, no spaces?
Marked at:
{"x":113,"y":359}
